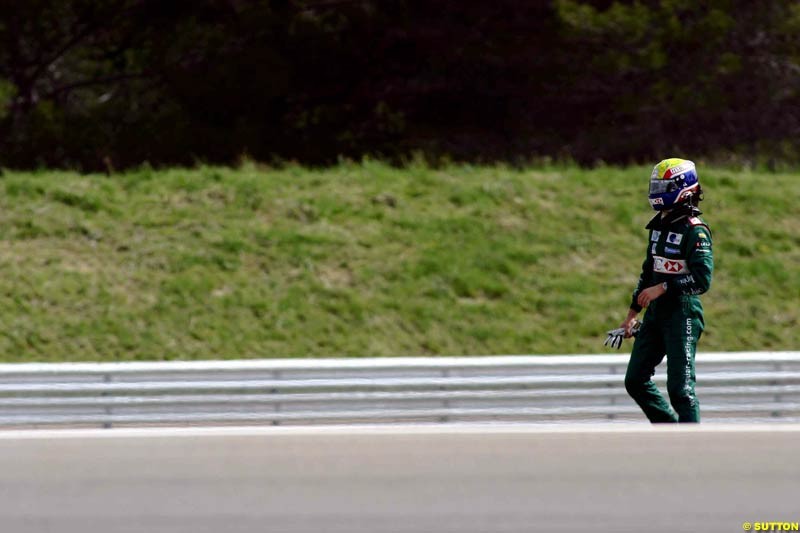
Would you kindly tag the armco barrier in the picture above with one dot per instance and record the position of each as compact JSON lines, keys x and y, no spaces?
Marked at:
{"x":745,"y":385}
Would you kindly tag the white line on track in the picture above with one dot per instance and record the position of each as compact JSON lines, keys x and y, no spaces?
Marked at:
{"x":452,"y":429}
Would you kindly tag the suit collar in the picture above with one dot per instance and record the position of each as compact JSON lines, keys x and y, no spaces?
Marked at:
{"x":673,"y":216}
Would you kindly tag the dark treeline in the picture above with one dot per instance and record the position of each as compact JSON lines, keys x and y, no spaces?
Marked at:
{"x":94,"y":84}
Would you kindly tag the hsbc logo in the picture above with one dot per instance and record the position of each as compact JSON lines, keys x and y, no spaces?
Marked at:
{"x":665,"y":265}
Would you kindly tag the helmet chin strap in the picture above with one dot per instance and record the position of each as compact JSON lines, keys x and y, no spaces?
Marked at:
{"x":691,"y":209}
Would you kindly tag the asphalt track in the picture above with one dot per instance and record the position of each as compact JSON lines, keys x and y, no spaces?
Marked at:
{"x":411,"y":479}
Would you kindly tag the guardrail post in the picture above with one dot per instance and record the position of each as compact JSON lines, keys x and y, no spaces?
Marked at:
{"x":445,"y":402}
{"x":778,"y":399}
{"x":613,"y":399}
{"x":277,"y":406}
{"x":108,"y":408}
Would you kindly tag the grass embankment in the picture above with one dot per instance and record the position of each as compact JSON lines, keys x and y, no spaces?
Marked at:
{"x":363,"y":260}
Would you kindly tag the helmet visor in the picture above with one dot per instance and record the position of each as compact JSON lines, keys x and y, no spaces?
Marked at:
{"x":662,"y":186}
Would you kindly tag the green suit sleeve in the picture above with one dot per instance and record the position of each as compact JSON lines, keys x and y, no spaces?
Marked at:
{"x":644,"y":280}
{"x":700,"y":262}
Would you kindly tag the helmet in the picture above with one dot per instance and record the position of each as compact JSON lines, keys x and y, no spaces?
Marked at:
{"x":672,"y":182}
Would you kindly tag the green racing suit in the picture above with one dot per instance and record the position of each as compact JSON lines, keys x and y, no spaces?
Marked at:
{"x":678,"y":253}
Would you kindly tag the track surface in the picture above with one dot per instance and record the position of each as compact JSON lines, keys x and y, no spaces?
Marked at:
{"x":431,"y":480}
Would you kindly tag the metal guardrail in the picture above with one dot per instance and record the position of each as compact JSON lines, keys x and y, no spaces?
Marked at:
{"x":751,"y":385}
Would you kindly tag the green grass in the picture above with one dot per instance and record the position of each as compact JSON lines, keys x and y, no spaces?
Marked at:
{"x":369,"y":260}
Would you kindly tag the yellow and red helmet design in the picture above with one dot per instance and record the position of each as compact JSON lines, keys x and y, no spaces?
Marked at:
{"x":672,"y":182}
